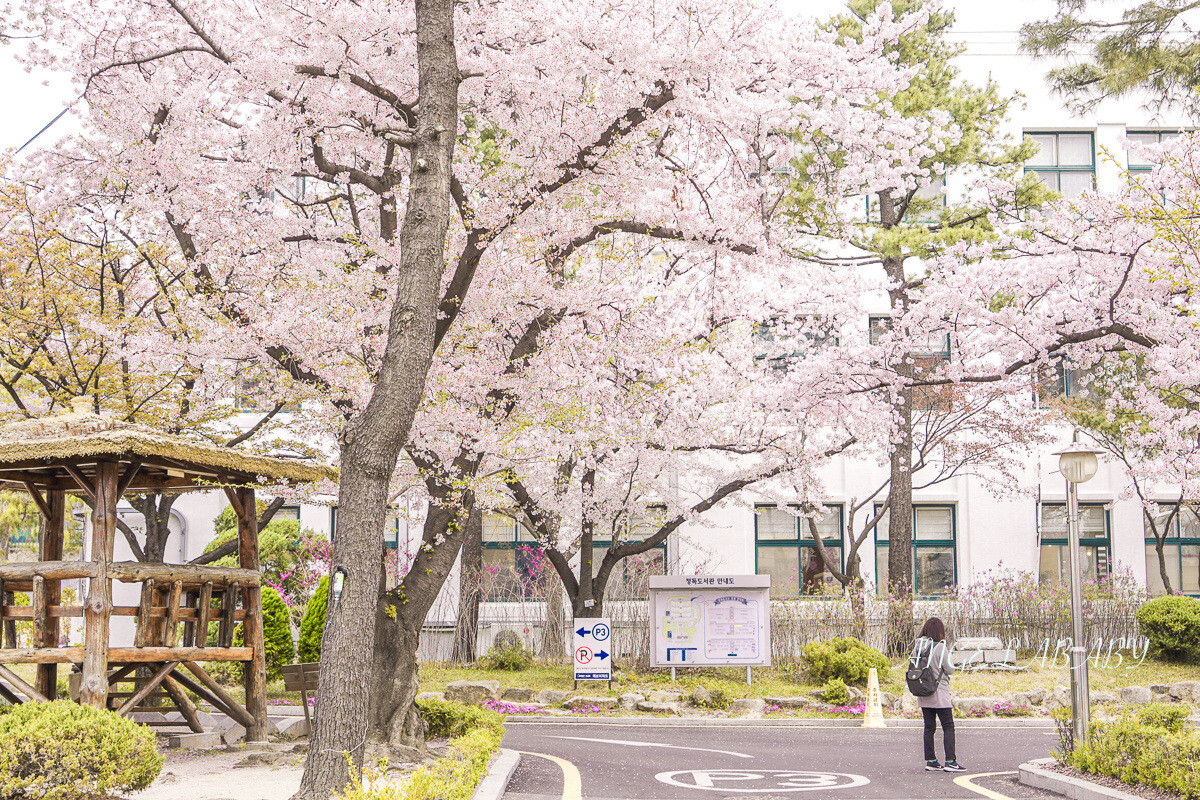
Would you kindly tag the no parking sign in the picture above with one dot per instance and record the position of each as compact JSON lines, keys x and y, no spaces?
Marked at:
{"x":593,"y":661}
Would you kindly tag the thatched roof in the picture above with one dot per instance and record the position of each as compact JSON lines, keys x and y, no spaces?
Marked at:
{"x":43,"y":450}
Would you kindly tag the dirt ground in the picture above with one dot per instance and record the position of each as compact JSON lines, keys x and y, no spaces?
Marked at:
{"x":213,"y":775}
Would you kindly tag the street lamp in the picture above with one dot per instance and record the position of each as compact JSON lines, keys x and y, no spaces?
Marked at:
{"x":1078,"y":464}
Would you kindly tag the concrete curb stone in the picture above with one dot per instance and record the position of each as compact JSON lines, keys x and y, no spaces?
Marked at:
{"x":499,"y":773}
{"x":1035,"y":774}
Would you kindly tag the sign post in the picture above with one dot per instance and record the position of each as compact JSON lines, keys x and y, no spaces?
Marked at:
{"x":710,"y":620}
{"x":593,"y":643}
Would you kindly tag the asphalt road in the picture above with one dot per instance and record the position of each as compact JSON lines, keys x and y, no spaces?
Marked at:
{"x":695,"y":762}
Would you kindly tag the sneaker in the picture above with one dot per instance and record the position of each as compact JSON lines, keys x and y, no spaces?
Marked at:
{"x":933,"y":766}
{"x":951,"y":766}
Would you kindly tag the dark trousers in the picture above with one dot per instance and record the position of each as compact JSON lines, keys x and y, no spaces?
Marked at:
{"x":932,"y":715}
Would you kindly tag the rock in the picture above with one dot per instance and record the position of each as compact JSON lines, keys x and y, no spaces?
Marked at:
{"x":747,"y":705}
{"x":1160,"y":688}
{"x":979,"y":705}
{"x":207,"y":721}
{"x":857,"y":695}
{"x":788,"y":702}
{"x":300,"y":749}
{"x":599,"y":702}
{"x":1059,"y":698}
{"x":1165,"y":698}
{"x":552,"y":697}
{"x":431,"y":696}
{"x":908,"y":704}
{"x":194,"y":741}
{"x":268,"y":758}
{"x":629,"y":700}
{"x":663,"y":708}
{"x":1101,"y":698}
{"x":887,"y":699}
{"x":293,"y":728}
{"x":1135,"y":695}
{"x":664,"y":697}
{"x":233,"y":733}
{"x":517,"y":694}
{"x":473,"y":692}
{"x":1033,"y":697}
{"x":1185,"y":691}
{"x":702,"y":697}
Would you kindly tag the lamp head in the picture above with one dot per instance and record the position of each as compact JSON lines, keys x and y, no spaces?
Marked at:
{"x":1078,"y":462}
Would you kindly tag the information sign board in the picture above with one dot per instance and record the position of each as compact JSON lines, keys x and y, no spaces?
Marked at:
{"x":710,"y":620}
{"x":593,"y":643}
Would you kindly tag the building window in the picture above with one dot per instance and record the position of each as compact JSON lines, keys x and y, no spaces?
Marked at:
{"x":513,"y":564}
{"x":1094,"y":541}
{"x":287,"y":512}
{"x":1059,"y":379}
{"x":784,"y":549}
{"x":1181,"y":551}
{"x":1065,"y":162}
{"x":935,"y":569}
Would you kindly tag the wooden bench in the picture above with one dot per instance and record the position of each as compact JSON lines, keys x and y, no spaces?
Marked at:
{"x":301,"y":678}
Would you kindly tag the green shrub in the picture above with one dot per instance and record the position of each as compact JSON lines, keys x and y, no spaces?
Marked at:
{"x":63,"y":750}
{"x":509,"y":655}
{"x":1173,"y":626}
{"x":1163,"y":716}
{"x":312,"y":627}
{"x":1148,"y":754}
{"x":447,"y":718}
{"x":836,"y":692}
{"x":454,"y":777}
{"x":277,"y":633}
{"x":846,"y":658}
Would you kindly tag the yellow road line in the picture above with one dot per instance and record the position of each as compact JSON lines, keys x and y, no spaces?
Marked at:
{"x":572,"y":783}
{"x":965,"y":782}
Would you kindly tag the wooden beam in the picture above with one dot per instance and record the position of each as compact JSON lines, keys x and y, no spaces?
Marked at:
{"x":252,"y":625}
{"x":146,"y":688}
{"x":51,"y":547}
{"x":127,"y":478}
{"x":51,"y":570}
{"x":141,"y":631}
{"x":235,"y":501}
{"x":202,"y":611}
{"x":38,"y":603}
{"x":242,"y":716}
{"x":184,"y":704}
{"x":124,"y":655}
{"x":81,"y":480}
{"x":171,"y":624}
{"x":130,"y":572}
{"x":21,"y":686}
{"x":228,"y":606}
{"x":208,"y":697}
{"x":38,"y":500}
{"x":93,"y":689}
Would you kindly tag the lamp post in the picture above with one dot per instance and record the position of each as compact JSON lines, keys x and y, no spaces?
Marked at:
{"x":1078,"y":464}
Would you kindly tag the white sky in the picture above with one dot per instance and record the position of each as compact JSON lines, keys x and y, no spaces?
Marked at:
{"x":988,"y":28}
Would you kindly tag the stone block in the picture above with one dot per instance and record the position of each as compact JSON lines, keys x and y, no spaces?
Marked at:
{"x":748,"y":705}
{"x":1160,"y":688}
{"x":999,"y":656}
{"x":908,"y":704}
{"x":662,"y":708}
{"x":1059,"y":698}
{"x":194,"y":741}
{"x":206,"y":720}
{"x":664,"y":697}
{"x":431,"y":696}
{"x":599,"y":702}
{"x":978,"y":643}
{"x":1103,"y":698}
{"x":788,"y":702}
{"x":552,"y":697}
{"x":292,"y":728}
{"x":702,"y":697}
{"x":473,"y":692}
{"x":629,"y":700}
{"x":517,"y":694}
{"x":1185,"y":691}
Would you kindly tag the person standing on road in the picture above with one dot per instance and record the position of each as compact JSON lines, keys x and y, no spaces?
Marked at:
{"x":931,"y":644}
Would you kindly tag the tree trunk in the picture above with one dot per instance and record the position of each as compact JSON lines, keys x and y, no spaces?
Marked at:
{"x":156,"y":513}
{"x":470,"y":567}
{"x":553,"y":646}
{"x":855,"y":589}
{"x":900,"y":505}
{"x":394,"y":721}
{"x":1159,"y":541}
{"x":371,"y":442}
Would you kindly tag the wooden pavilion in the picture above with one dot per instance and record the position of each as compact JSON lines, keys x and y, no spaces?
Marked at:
{"x":101,"y":458}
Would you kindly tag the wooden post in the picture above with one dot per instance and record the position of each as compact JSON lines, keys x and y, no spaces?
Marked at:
{"x":93,"y":690}
{"x":203,"y":609}
{"x":252,"y":625}
{"x":51,"y":549}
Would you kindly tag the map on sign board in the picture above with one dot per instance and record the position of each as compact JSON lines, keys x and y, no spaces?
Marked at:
{"x":592,"y":651}
{"x":710,"y":620}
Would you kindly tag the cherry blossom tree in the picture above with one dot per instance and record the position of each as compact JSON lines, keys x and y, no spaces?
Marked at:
{"x":335,"y":179}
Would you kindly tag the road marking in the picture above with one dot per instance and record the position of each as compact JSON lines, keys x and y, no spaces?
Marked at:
{"x":572,"y":783}
{"x":653,"y":744}
{"x":770,"y":781}
{"x":965,"y":782}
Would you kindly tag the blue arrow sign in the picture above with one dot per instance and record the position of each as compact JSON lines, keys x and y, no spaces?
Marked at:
{"x":602,"y":655}
{"x":583,"y":631}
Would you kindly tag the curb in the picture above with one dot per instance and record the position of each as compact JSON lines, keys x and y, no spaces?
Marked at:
{"x":499,"y":772}
{"x":801,"y":722}
{"x":1033,"y":774}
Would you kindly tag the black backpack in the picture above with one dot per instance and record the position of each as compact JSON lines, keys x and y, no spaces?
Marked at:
{"x":921,"y":679}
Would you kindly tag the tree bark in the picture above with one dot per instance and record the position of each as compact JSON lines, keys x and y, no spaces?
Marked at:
{"x":470,"y":567}
{"x":371,"y":442}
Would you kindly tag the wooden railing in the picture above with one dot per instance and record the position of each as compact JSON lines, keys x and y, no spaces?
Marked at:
{"x":177,"y":604}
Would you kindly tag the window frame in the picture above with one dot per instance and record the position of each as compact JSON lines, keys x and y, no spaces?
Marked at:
{"x":799,"y":542}
{"x":1173,"y":132}
{"x":1174,"y":538}
{"x":1057,"y":169}
{"x":1089,"y":541}
{"x":917,"y":544}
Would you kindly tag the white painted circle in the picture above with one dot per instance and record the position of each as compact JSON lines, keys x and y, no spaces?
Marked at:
{"x":760,"y":781}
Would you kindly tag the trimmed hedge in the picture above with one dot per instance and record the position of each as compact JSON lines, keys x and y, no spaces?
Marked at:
{"x":312,"y":627}
{"x":447,"y":718}
{"x":846,"y":658}
{"x":64,"y":751}
{"x":454,"y":777}
{"x":1173,"y":626}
